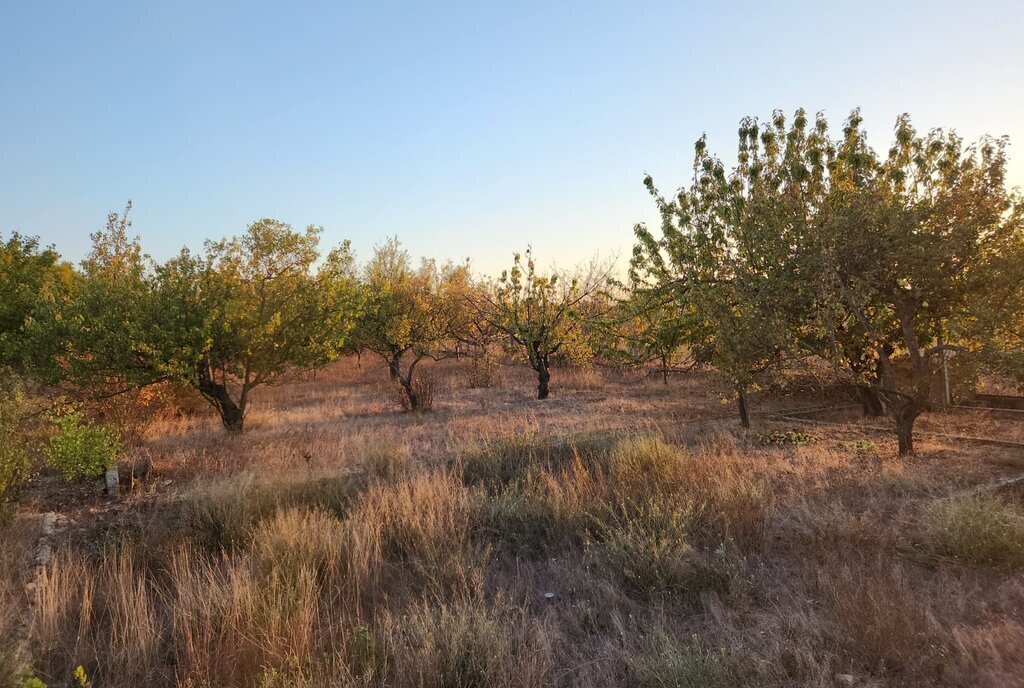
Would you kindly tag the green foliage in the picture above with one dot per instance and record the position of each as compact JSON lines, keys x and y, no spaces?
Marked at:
{"x":97,"y":329}
{"x":998,"y":304}
{"x":247,"y":312}
{"x":80,"y":678}
{"x":81,"y":449}
{"x":819,"y":246}
{"x":251,"y":311}
{"x":410,"y":314}
{"x":14,"y":455}
{"x":725,"y":256}
{"x":790,"y":437}
{"x":647,"y":327}
{"x":28,"y":274}
{"x":905,"y":246}
{"x":29,"y":680}
{"x":541,"y":316}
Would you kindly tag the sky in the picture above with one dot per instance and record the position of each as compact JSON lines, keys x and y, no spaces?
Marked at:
{"x":467,"y":129}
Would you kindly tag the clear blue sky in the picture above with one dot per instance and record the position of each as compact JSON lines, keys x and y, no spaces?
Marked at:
{"x":467,"y":129}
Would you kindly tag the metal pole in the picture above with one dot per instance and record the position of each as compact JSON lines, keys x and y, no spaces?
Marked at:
{"x":945,"y":377}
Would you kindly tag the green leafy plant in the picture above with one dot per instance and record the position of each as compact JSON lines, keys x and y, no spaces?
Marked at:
{"x":30,"y":680}
{"x":14,"y":459}
{"x":791,"y":437}
{"x":81,"y":678}
{"x":81,"y":449}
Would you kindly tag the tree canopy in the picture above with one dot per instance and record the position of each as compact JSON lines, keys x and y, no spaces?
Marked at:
{"x":813,"y":246}
{"x":246,"y":312}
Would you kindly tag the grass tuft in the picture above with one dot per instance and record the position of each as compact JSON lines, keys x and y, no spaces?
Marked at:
{"x":979,"y":529}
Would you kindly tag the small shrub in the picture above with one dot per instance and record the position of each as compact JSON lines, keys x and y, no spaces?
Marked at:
{"x":483,"y":372}
{"x":32,"y":682}
{"x":81,"y":449}
{"x":977,"y":529}
{"x":466,"y":645}
{"x":861,"y":445}
{"x":80,"y":678}
{"x":420,"y":398}
{"x":387,"y":461}
{"x":692,"y":665}
{"x":653,"y":553}
{"x":788,"y":437}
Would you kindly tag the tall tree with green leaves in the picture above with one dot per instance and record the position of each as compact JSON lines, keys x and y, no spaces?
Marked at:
{"x":725,"y":256}
{"x":409,"y":314}
{"x":645,"y":328}
{"x":247,"y":312}
{"x":909,"y":240}
{"x":28,"y":273}
{"x":93,"y":333}
{"x":996,"y":325}
{"x":253,"y":310}
{"x":544,"y":315}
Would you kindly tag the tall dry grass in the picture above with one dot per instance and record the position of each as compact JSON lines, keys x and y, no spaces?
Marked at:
{"x":503,"y":542}
{"x":270,"y":578}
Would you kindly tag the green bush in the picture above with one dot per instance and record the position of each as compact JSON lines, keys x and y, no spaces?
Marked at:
{"x":81,"y":449}
{"x":789,"y":437}
{"x":651,"y":549}
{"x":14,"y":456}
{"x":30,"y":681}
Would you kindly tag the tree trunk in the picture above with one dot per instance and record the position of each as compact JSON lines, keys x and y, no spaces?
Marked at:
{"x":232,"y":415}
{"x":905,"y":417}
{"x":744,"y":414}
{"x":394,"y":369}
{"x":543,"y":377}
{"x":410,"y":393}
{"x":664,"y":370}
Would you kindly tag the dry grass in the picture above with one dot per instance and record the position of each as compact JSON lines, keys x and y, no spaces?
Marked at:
{"x":340,"y":542}
{"x":669,"y":663}
{"x":576,"y":378}
{"x":883,"y":623}
{"x":979,"y":529}
{"x":16,"y":545}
